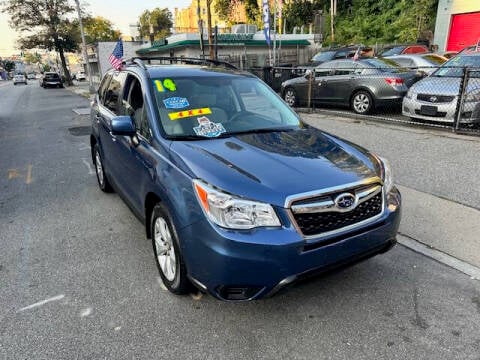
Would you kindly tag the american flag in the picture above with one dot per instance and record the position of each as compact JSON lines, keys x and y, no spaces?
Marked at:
{"x":115,"y":57}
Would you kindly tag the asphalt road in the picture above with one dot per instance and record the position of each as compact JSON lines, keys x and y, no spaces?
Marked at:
{"x":78,"y":279}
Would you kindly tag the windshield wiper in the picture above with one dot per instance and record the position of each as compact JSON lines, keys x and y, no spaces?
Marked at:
{"x":259,"y":131}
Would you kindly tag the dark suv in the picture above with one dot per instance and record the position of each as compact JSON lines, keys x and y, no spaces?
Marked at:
{"x":238,"y":195}
{"x":51,"y":79}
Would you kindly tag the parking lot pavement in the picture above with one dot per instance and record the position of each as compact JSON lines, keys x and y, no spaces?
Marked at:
{"x":78,"y":279}
{"x":437,"y":172}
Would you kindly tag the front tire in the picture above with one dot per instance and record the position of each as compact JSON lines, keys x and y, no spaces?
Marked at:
{"x":103,"y":182}
{"x":167,"y":253}
{"x":362,"y":102}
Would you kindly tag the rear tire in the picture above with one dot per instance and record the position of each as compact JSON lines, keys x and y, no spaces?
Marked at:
{"x":167,"y":253}
{"x":362,"y":102}
{"x":102,"y":179}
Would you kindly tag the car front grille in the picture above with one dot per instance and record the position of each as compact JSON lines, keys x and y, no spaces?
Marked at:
{"x":325,"y":221}
{"x":435,"y":99}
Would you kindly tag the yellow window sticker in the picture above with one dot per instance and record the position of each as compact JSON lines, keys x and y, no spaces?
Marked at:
{"x":159,"y":86}
{"x":189,"y":113}
{"x":169,"y":84}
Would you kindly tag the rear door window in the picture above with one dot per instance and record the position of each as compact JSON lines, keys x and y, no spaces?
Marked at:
{"x":103,"y":86}
{"x":112,"y":94}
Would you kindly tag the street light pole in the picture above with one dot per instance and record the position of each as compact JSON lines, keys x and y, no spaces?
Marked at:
{"x":84,"y":48}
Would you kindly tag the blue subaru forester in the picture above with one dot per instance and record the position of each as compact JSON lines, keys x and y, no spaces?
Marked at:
{"x":238,"y":195}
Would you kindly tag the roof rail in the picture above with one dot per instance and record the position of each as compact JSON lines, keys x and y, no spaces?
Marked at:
{"x":140,"y":61}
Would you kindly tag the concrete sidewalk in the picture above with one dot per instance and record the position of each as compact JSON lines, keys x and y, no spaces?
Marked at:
{"x":437,"y":173}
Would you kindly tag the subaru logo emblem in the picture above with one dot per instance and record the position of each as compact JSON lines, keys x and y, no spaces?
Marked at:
{"x":346,"y":201}
{"x":433,"y":99}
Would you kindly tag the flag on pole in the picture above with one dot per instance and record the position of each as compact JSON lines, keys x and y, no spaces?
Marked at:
{"x":356,"y":56}
{"x":116,"y":56}
{"x":266,"y":21}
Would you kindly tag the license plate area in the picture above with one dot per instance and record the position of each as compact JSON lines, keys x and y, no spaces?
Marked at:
{"x":428,"y":110}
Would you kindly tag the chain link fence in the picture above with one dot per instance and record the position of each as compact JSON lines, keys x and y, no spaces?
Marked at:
{"x":440,"y":97}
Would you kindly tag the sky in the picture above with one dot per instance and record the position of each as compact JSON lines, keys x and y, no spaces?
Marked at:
{"x":120,"y":12}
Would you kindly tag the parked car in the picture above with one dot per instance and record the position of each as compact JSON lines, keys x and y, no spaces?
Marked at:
{"x":51,"y":79}
{"x":329,"y":54}
{"x":403,"y":49}
{"x":423,"y":63}
{"x":19,"y":79}
{"x":238,"y":195}
{"x":435,"y":97}
{"x":31,"y":76}
{"x":362,"y":85}
{"x":80,"y":76}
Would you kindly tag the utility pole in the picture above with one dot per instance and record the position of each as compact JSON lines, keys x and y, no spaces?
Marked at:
{"x":209,"y":29}
{"x":84,"y":48}
{"x":200,"y":29}
{"x":333,"y":12}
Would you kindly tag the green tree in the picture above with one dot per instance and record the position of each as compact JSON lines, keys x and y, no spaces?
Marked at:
{"x":301,"y":12}
{"x":159,"y":19}
{"x":99,"y":29}
{"x":42,"y":25}
{"x":32,"y":58}
{"x":8,"y":65}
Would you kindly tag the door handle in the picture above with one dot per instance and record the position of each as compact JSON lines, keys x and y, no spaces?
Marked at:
{"x":98,"y":118}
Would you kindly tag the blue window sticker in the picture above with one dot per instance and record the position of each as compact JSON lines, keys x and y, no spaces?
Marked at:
{"x":176,"y":103}
{"x":207,"y":128}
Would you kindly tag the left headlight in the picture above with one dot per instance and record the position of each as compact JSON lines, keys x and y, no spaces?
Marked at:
{"x":232,"y":212}
{"x":387,"y":175}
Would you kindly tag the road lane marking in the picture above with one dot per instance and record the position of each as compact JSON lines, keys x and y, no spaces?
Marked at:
{"x":29,"y":175}
{"x":84,"y":147}
{"x":86,"y":312}
{"x":13,"y":173}
{"x":40,"y":303}
{"x":90,"y":170}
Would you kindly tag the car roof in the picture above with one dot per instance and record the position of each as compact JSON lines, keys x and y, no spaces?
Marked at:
{"x":158,"y":71}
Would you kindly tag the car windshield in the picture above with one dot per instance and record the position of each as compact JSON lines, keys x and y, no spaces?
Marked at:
{"x":324,"y":56}
{"x":220,"y":105}
{"x":434,"y":59}
{"x":51,"y":76}
{"x":382,"y":64}
{"x":397,"y":50}
{"x":454,"y":66}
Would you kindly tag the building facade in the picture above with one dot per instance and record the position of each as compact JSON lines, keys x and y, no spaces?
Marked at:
{"x":186,"y":20}
{"x":457,"y":24}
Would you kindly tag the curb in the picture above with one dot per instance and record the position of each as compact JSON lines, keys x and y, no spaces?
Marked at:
{"x":441,"y":257}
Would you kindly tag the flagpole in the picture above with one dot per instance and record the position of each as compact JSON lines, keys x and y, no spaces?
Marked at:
{"x":91,"y":88}
{"x":274,"y":32}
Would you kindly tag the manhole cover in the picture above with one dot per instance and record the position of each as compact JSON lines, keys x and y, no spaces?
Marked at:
{"x":80,"y":130}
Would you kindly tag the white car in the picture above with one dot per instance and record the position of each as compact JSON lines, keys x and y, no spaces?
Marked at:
{"x":80,"y":76}
{"x":19,"y":78}
{"x":435,"y":97}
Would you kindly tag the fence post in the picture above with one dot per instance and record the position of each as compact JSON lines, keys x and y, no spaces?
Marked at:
{"x":309,"y":95}
{"x":461,"y":99}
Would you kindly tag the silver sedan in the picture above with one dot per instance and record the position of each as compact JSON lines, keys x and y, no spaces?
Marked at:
{"x":435,"y":98}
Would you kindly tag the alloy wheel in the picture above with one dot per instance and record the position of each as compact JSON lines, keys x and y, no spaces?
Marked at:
{"x":361,"y":103}
{"x":165,"y":250}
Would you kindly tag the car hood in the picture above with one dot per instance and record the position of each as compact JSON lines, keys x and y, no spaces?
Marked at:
{"x":437,"y":85}
{"x":271,"y":166}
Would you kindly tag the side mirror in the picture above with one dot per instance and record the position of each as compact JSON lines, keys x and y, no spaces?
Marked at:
{"x":123,"y":125}
{"x":308,"y":73}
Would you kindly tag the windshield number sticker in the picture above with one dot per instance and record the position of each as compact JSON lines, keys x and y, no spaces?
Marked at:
{"x":189,"y":113}
{"x":176,"y":103}
{"x":207,"y":128}
{"x":168,"y":84}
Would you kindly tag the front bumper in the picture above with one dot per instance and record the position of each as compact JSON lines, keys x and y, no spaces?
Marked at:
{"x":445,"y":111}
{"x":247,"y":265}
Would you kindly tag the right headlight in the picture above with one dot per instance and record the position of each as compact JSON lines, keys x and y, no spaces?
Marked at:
{"x":232,"y":212}
{"x":473,"y":96}
{"x":387,"y":175}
